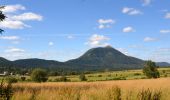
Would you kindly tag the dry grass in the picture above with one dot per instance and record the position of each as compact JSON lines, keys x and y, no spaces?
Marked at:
{"x":90,"y":90}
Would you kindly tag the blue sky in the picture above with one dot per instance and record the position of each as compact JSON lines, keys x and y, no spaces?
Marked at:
{"x":65,"y":29}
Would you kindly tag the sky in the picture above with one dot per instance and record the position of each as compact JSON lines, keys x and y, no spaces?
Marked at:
{"x":65,"y":29}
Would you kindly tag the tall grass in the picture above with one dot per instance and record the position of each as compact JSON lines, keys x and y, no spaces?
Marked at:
{"x":109,"y":90}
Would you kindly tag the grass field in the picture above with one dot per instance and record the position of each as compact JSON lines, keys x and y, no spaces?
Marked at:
{"x":115,"y":75}
{"x":108,"y":75}
{"x":128,"y":85}
{"x":103,"y":90}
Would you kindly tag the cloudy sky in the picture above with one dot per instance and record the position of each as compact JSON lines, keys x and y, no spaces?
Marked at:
{"x":65,"y":29}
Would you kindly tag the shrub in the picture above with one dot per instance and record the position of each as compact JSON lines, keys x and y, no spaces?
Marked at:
{"x":137,"y":74}
{"x":109,"y":75}
{"x":63,"y":78}
{"x":165,"y":75}
{"x":11,"y":80}
{"x":6,"y":91}
{"x":23,"y":78}
{"x":150,"y":70}
{"x":39,"y":75}
{"x":82,"y":77}
{"x":99,"y":75}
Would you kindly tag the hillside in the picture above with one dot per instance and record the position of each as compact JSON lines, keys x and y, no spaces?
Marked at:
{"x":106,"y":58}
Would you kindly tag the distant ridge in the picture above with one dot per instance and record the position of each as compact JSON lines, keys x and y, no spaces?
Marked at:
{"x":100,"y":58}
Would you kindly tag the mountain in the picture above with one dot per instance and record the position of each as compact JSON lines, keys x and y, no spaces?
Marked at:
{"x":5,"y":64}
{"x":101,"y":58}
{"x":106,"y":58}
{"x":34,"y":62}
{"x":164,"y":64}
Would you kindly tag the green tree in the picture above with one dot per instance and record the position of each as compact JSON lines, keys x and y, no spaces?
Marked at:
{"x":63,"y":78}
{"x":2,"y":17}
{"x":39,"y":75}
{"x":82,"y":77}
{"x":150,"y":70}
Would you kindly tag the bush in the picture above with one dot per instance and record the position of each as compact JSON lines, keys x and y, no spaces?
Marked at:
{"x":99,"y":75}
{"x":39,"y":75}
{"x":61,"y":79}
{"x":82,"y":77}
{"x":23,"y":78}
{"x":6,"y":91}
{"x":11,"y":80}
{"x":150,"y":70}
{"x":137,"y":74}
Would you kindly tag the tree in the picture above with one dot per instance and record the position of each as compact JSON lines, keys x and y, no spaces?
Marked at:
{"x":150,"y":70}
{"x":63,"y":78}
{"x":39,"y":75}
{"x":82,"y":77}
{"x":2,"y":17}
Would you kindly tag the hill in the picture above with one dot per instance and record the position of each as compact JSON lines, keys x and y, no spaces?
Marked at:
{"x":106,"y":58}
{"x":165,"y":64}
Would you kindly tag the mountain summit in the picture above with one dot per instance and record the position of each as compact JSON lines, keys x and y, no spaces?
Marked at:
{"x":106,"y":57}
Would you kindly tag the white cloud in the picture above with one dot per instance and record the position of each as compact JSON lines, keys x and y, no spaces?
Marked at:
{"x":14,"y":50}
{"x":128,"y":29}
{"x":14,"y":21}
{"x":9,"y":37}
{"x":146,"y":2}
{"x":164,"y":31}
{"x":13,"y":8}
{"x":13,"y":24}
{"x":167,"y":16}
{"x":131,"y":11}
{"x":70,"y":37}
{"x":105,"y":23}
{"x":27,"y":16}
{"x":98,"y":40}
{"x":51,"y":43}
{"x":149,"y":39}
{"x":124,"y":51}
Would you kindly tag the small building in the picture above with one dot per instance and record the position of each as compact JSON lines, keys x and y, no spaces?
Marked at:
{"x":4,"y":74}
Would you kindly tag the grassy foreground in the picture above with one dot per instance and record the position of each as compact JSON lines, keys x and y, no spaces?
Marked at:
{"x":104,"y":90}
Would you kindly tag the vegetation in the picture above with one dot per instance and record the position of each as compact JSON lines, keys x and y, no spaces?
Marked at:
{"x":150,"y":70}
{"x":11,"y":79}
{"x":6,"y":91}
{"x":82,"y":77}
{"x":2,"y":17}
{"x":108,"y":90}
{"x":39,"y":75}
{"x":149,"y":95}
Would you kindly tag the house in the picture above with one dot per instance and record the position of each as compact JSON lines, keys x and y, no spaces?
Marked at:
{"x":4,"y":74}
